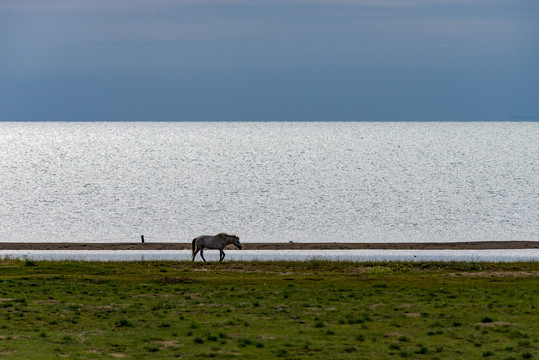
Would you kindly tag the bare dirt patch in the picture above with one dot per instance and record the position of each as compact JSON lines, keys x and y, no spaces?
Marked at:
{"x":209,"y":305}
{"x":13,"y":337}
{"x":177,"y":280}
{"x":145,"y":296}
{"x":46,"y":302}
{"x":374,"y":305}
{"x":493,"y":324}
{"x":167,"y":344}
{"x":413,"y":314}
{"x":407,"y":306}
{"x":497,"y":274}
{"x":225,"y":352}
{"x":154,"y":295}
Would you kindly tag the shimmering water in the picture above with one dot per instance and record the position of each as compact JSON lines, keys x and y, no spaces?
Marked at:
{"x":349,"y":182}
{"x":274,"y":255}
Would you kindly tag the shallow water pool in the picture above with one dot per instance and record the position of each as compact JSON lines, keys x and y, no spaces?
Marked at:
{"x":274,"y":255}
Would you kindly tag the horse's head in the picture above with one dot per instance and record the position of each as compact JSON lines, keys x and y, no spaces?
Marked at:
{"x":232,"y":239}
{"x":236,"y":241}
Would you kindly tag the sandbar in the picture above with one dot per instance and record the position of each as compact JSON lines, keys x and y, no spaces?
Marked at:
{"x":479,"y":245}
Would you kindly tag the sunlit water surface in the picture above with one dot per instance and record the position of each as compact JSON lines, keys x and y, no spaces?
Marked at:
{"x":274,"y":255}
{"x":269,"y":182}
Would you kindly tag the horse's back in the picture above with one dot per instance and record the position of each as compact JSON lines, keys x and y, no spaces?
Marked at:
{"x":208,"y":241}
{"x":202,"y":237}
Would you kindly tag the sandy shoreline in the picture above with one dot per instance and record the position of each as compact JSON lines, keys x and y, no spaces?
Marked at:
{"x":484,"y":245}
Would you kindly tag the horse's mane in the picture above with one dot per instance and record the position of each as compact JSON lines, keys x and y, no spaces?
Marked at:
{"x":227,"y":235}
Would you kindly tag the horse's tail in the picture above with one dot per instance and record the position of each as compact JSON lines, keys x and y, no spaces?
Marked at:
{"x":193,"y":246}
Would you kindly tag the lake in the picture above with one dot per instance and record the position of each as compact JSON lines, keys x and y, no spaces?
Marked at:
{"x":269,"y":182}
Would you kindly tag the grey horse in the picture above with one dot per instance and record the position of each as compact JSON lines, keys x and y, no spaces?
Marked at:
{"x":218,"y":241}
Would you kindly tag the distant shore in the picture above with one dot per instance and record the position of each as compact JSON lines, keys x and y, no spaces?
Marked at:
{"x":483,"y":245}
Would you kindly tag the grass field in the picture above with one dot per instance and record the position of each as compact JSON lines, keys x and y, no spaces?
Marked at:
{"x":253,"y":310}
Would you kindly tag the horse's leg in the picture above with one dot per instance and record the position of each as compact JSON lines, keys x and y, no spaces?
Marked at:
{"x":202,"y":254}
{"x":195,"y":253}
{"x":222,"y":255}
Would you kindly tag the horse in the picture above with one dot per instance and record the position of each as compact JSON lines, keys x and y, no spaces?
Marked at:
{"x":218,"y":241}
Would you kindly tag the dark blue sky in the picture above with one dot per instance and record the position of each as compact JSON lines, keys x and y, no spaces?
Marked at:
{"x":262,"y":60}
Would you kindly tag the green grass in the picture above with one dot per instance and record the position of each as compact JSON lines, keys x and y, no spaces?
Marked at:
{"x":253,"y":310}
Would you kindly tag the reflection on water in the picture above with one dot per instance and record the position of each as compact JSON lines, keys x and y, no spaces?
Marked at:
{"x":269,"y":182}
{"x":273,"y":255}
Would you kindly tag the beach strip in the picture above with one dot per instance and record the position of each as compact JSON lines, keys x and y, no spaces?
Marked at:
{"x":482,"y":245}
